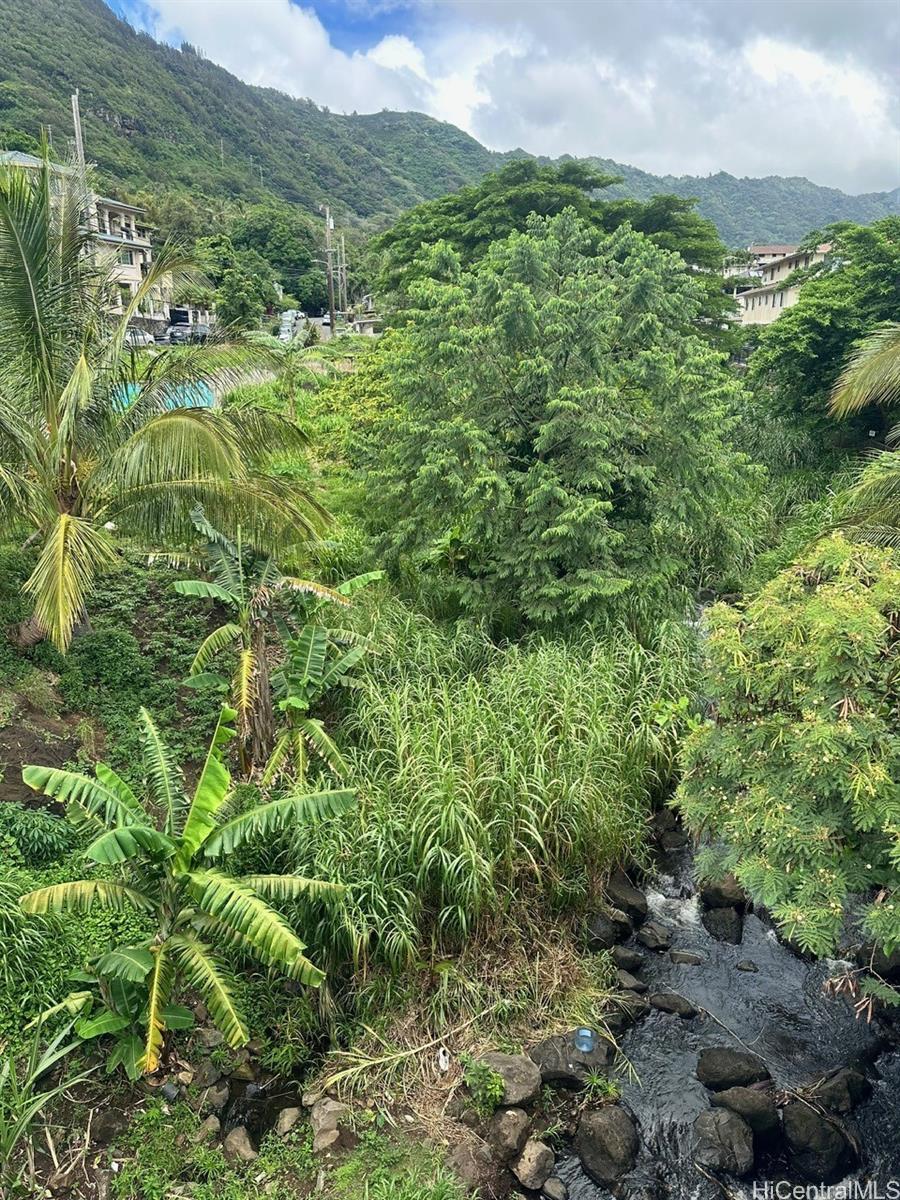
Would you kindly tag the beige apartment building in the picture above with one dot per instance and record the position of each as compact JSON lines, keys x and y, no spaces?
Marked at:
{"x":122,"y":232}
{"x":763,"y":304}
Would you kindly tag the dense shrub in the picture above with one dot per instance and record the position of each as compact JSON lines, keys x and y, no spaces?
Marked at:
{"x":36,"y":837}
{"x":796,"y":774}
{"x":492,"y":781}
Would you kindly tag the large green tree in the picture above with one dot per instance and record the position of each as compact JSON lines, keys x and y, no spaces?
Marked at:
{"x":95,"y":440}
{"x":556,"y":440}
{"x":474,"y":217}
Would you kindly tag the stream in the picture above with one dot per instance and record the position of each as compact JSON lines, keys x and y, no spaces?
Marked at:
{"x":779,"y":1012}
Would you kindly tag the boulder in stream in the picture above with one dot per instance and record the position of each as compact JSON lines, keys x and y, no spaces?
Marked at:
{"x":626,"y":897}
{"x":630,"y":982}
{"x":756,"y":1106}
{"x":724,"y":924}
{"x":723,"y":1141}
{"x":721,"y":1067}
{"x":562,"y":1064}
{"x":841,"y":1090}
{"x":606,"y":1141}
{"x":817,"y":1143}
{"x":606,"y":929}
{"x":508,"y":1132}
{"x":521,"y":1077}
{"x":654,"y":936}
{"x":671,"y":1002}
{"x":626,"y":959}
{"x":533,"y":1166}
{"x":723,"y":893}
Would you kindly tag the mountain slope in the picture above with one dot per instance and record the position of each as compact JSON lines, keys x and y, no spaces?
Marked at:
{"x":158,"y":118}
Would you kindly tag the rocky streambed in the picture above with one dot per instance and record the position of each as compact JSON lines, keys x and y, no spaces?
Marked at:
{"x":737,"y":1064}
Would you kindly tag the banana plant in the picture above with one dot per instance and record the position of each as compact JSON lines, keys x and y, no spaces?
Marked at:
{"x":316,"y":659}
{"x":246,"y":586}
{"x":171,"y":872}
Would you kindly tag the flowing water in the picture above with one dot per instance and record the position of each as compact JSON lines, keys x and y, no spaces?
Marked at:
{"x":779,"y":1012}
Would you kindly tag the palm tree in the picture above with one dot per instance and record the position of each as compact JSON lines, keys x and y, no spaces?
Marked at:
{"x":872,"y":376}
{"x":170,"y":871}
{"x":247,"y":587}
{"x":94,"y":440}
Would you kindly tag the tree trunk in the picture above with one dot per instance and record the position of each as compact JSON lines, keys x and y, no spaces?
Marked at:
{"x":27,"y":633}
{"x":262,"y":716}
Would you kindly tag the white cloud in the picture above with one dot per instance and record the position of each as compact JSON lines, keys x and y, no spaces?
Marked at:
{"x":805,"y":87}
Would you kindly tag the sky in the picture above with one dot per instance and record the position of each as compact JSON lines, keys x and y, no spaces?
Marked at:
{"x":682,"y":87}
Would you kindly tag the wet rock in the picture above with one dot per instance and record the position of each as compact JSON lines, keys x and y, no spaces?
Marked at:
{"x":842,"y":1090}
{"x":244,"y":1072}
{"x":817,"y":1145}
{"x":720,"y":1067}
{"x":207,"y":1130}
{"x":664,"y":819}
{"x":654,"y":936}
{"x":327,"y":1116}
{"x":626,"y":897}
{"x":633,"y":1008}
{"x":628,"y":960}
{"x":472,"y":1165}
{"x":215,"y":1099}
{"x":686,"y":957}
{"x":287,"y":1119}
{"x":508,"y":1132}
{"x":237,"y":1145}
{"x":562,"y":1064}
{"x":724,"y":924}
{"x":206,"y":1073}
{"x":554,"y":1189}
{"x":671,"y":1002}
{"x":606,"y":1142}
{"x":725,"y":893}
{"x":605,"y":929}
{"x":672,"y":839}
{"x":170,"y":1091}
{"x":723,"y":1141}
{"x":210,"y":1037}
{"x":746,"y":964}
{"x":755,"y":1106}
{"x":533,"y":1166}
{"x":630,"y":982}
{"x":521,"y":1078}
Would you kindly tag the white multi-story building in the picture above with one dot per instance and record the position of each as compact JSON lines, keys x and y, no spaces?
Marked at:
{"x":122,"y":232}
{"x":762,"y":305}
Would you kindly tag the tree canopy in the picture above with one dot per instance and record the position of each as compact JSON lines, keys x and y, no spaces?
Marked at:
{"x":555,"y":439}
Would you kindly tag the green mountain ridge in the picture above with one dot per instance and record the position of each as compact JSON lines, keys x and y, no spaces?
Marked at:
{"x":158,"y":118}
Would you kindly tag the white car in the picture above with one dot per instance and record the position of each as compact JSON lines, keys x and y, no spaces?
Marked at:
{"x":136,"y":339}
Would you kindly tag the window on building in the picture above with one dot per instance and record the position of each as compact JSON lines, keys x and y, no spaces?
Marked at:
{"x":124,"y":294}
{"x":126,"y":258}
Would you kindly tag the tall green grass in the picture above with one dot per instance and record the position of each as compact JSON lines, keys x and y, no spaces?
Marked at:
{"x":494,"y":782}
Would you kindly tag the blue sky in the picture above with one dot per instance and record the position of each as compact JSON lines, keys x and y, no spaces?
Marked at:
{"x":798,"y":87}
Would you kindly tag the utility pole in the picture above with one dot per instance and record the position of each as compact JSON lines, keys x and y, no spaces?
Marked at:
{"x":329,"y":266}
{"x":345,"y":304}
{"x":76,"y":121}
{"x":222,"y":151}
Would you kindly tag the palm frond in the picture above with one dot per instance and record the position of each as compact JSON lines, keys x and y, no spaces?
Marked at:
{"x":314,"y":732}
{"x":130,"y":841}
{"x":209,"y":794}
{"x":236,"y":905}
{"x":271,"y":818}
{"x":213,"y":645}
{"x":159,"y":990}
{"x":287,"y":887}
{"x":205,"y":972}
{"x":872,"y":376}
{"x":92,"y":795}
{"x":163,"y":777}
{"x":73,"y":554}
{"x":83,"y":895}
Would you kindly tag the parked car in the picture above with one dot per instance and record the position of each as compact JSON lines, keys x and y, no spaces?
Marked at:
{"x":179,"y":335}
{"x":136,"y":338}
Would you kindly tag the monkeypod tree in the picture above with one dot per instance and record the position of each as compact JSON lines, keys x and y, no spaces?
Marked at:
{"x":164,"y":854}
{"x":794,"y":779}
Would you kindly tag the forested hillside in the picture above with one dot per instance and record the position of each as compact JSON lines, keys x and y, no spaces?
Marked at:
{"x":156,"y":118}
